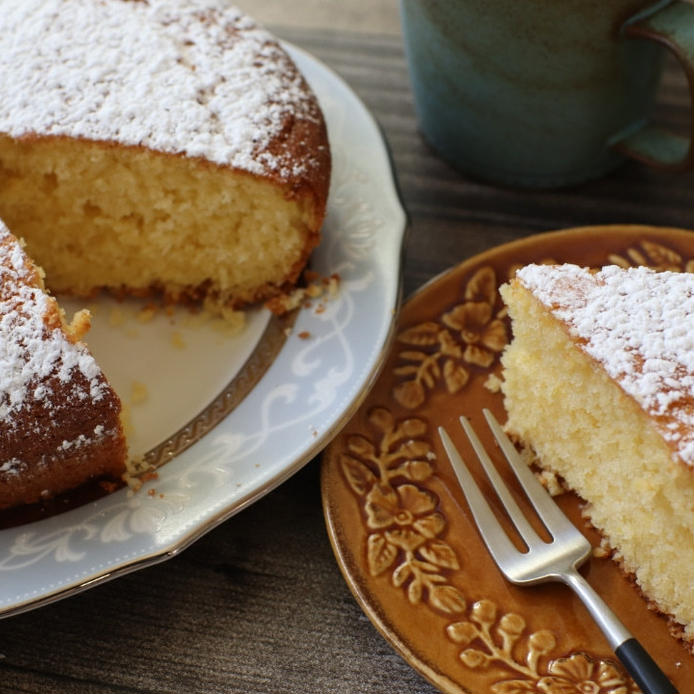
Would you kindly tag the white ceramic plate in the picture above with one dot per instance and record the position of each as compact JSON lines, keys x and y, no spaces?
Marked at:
{"x":170,"y":370}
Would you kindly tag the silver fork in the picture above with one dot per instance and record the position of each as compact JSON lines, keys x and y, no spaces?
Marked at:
{"x":557,"y":560}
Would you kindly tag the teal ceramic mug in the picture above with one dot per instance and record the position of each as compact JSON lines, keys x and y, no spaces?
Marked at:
{"x":545,"y":93}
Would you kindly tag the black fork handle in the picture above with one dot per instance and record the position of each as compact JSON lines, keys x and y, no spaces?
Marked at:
{"x":650,"y":678}
{"x":643,"y":669}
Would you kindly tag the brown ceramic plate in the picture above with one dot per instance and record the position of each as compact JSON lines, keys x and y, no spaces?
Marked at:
{"x":401,"y":530}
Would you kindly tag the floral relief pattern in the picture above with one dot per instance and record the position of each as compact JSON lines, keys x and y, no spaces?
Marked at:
{"x":653,"y":255}
{"x":405,"y":528}
{"x":405,"y":537}
{"x":471,"y":334}
{"x":487,"y":639}
{"x":580,"y":674}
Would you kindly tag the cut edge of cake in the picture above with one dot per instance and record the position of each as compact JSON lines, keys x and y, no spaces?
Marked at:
{"x":61,"y":422}
{"x":228,"y":173}
{"x":623,"y":447}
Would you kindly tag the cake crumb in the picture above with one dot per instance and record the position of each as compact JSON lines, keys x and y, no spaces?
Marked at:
{"x":304,"y":335}
{"x":550,"y":482}
{"x":317,"y":286}
{"x":138,"y":393}
{"x":80,"y":324}
{"x":137,"y":472}
{"x":146,"y":314}
{"x":177,"y":340}
{"x":493,"y":383}
{"x":116,"y":317}
{"x":235,"y":319}
{"x":602,"y":551}
{"x":233,"y":315}
{"x":230,"y":322}
{"x":283,"y":303}
{"x":314,"y":291}
{"x":333,"y":283}
{"x":220,"y":318}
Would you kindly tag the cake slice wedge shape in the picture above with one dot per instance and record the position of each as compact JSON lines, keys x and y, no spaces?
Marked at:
{"x":59,"y":417}
{"x":599,"y":382}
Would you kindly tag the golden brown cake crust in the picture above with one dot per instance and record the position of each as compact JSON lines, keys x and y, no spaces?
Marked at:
{"x":59,"y":418}
{"x":238,"y":99}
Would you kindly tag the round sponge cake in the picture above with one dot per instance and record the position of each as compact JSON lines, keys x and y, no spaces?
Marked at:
{"x":164,"y":145}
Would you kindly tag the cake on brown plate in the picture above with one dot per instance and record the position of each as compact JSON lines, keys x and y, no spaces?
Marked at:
{"x":599,"y":382}
{"x":59,"y":418}
{"x":166,"y":145}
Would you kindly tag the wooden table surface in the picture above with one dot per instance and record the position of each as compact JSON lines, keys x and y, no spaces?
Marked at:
{"x":259,"y":604}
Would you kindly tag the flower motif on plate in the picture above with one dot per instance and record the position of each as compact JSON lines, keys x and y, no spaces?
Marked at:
{"x":471,"y":334}
{"x":405,"y":528}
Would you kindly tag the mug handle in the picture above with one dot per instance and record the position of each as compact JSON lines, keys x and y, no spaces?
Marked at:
{"x":671,"y":26}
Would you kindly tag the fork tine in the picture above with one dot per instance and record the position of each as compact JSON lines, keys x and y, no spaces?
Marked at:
{"x":558,"y":560}
{"x":494,"y":536}
{"x":551,"y":515}
{"x":526,"y":531}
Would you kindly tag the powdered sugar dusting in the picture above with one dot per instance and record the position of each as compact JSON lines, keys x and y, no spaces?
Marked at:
{"x":194,"y":77}
{"x":31,"y":351}
{"x":11,"y":466}
{"x":639,"y":324}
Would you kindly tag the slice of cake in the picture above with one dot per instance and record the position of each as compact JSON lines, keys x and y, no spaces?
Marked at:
{"x":167,"y":145}
{"x":599,"y":382}
{"x":59,"y":418}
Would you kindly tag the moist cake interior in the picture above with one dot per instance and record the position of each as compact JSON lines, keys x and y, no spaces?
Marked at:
{"x":95,"y":216}
{"x":162,"y":145}
{"x":630,"y":464}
